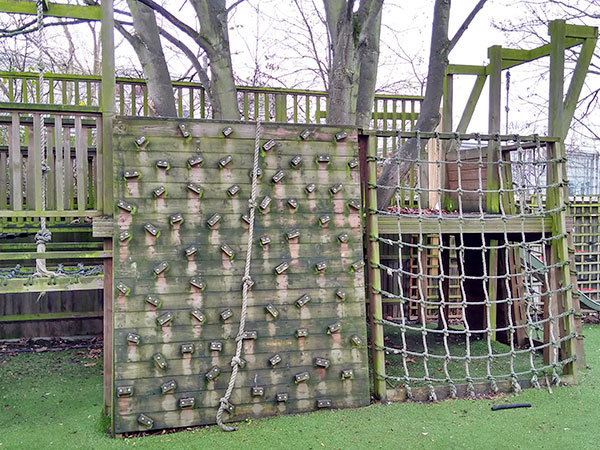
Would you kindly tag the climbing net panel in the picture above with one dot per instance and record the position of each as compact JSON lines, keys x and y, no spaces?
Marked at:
{"x":180,"y":237}
{"x":485,"y":249}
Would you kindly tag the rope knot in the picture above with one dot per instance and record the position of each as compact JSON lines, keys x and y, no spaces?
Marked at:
{"x":43,"y":236}
{"x":236,"y":361}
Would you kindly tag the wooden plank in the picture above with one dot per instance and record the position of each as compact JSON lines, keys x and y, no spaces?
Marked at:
{"x":18,"y":285}
{"x":60,"y":162}
{"x":40,"y":213}
{"x":14,"y":256}
{"x":50,"y":316}
{"x":16,"y":163}
{"x":81,"y":165}
{"x":3,"y":180}
{"x":389,"y":225}
{"x":68,"y":162}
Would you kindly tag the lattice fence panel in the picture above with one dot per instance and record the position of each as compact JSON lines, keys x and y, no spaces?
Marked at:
{"x":180,"y":246}
{"x":585,"y":212}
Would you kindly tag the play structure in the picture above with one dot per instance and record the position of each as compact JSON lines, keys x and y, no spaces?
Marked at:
{"x":230,"y":254}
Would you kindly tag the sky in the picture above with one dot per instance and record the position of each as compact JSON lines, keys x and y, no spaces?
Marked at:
{"x":269,"y":42}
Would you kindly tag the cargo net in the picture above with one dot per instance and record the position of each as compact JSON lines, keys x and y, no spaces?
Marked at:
{"x":476,"y":287}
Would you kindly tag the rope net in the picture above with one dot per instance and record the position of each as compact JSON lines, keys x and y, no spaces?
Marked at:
{"x":471,"y":270}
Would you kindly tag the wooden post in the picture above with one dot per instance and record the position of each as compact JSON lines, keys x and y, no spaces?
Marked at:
{"x":108,"y":113}
{"x":369,"y":146}
{"x":557,"y":174}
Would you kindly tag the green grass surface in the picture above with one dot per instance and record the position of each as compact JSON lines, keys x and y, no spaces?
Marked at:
{"x":52,"y":400}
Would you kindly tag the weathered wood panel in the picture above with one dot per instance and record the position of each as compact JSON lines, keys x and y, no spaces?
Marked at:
{"x":328,"y":227}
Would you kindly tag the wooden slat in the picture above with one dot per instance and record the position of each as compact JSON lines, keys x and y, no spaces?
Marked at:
{"x":3,"y":179}
{"x":19,"y":285}
{"x":16,"y":164}
{"x":81,"y":165}
{"x":59,"y":164}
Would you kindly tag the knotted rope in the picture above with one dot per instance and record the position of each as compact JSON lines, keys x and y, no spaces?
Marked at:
{"x":247,"y":282}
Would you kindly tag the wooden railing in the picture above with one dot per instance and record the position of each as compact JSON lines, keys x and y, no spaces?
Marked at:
{"x":273,"y":104}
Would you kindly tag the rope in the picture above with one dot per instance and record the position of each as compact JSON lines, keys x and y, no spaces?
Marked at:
{"x":43,"y":236}
{"x":247,"y":282}
{"x":465,"y":349}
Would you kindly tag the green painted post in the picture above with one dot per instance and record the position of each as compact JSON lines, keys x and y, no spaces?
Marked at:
{"x":558,"y":175}
{"x":495,"y":104}
{"x":374,"y":278}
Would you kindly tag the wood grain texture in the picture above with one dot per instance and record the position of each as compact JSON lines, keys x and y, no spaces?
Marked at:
{"x":338,"y":243}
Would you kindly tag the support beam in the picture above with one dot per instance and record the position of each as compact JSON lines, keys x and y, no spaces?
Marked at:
{"x":467,"y":115}
{"x":51,"y":9}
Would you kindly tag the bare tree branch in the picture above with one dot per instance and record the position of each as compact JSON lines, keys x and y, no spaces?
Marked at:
{"x":465,"y":24}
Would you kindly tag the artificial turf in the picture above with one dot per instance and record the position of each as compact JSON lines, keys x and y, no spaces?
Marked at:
{"x":54,"y":400}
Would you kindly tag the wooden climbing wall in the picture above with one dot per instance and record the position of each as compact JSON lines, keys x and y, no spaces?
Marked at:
{"x":181,"y":203}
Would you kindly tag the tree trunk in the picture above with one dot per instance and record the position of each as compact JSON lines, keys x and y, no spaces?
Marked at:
{"x":354,"y":40}
{"x":148,"y":48}
{"x":212,"y":15}
{"x":429,"y":116}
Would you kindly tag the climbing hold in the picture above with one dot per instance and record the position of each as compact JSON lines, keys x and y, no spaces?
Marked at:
{"x":293,"y":203}
{"x":353,"y":163}
{"x":176,"y":218}
{"x":357,"y":266}
{"x":141,"y":141}
{"x":126,"y":206}
{"x":160,"y":361}
{"x":227,"y":131}
{"x":310,"y":188}
{"x":165,"y":319}
{"x":281,"y":268}
{"x":131,"y":174}
{"x":124,"y":236}
{"x":187,"y":348}
{"x":191,"y":250}
{"x":154,"y":301}
{"x":123,"y":289}
{"x":186,"y":402}
{"x":225,"y":161}
{"x":275,"y":359}
{"x":183,"y":129}
{"x":233,"y":190}
{"x":341,"y":135}
{"x":229,"y":407}
{"x":259,"y":172}
{"x":347,"y":374}
{"x":356,"y":340}
{"x":198,"y":283}
{"x":196,"y":188}
{"x":272,"y":310}
{"x":335,"y":188}
{"x":216,"y":346}
{"x":124,"y":391}
{"x":279,"y":175}
{"x":195,"y":161}
{"x":300,"y":377}
{"x":152,"y":229}
{"x":159,"y":191}
{"x":246,"y":218}
{"x":163,"y":164}
{"x":340,"y":294}
{"x":168,"y":387}
{"x":160,"y":268}
{"x":334,"y":328}
{"x":321,"y":266}
{"x":301,"y":332}
{"x":197,"y":314}
{"x":321,"y":362}
{"x":269,"y":145}
{"x":323,"y":158}
{"x":343,"y":237}
{"x":226,"y":314}
{"x":257,"y":391}
{"x":133,"y":338}
{"x":324,"y":403}
{"x":228,"y":251}
{"x":292,"y":234}
{"x":303,"y":300}
{"x":213,"y":220}
{"x":282,"y":397}
{"x":265,"y":202}
{"x":249,"y":335}
{"x":296,"y":161}
{"x":213,"y":373}
{"x":305,"y":134}
{"x":264,"y":240}
{"x":354,"y":204}
{"x":324,"y":220}
{"x":145,"y":420}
